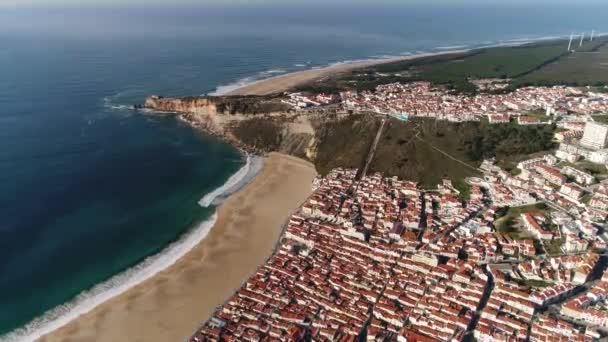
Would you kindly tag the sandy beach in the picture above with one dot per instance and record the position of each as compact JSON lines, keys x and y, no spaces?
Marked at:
{"x":172,"y":304}
{"x":285,"y":82}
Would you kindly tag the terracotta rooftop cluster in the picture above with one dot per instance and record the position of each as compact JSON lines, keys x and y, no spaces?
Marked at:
{"x":380,"y":258}
{"x":424,"y":100}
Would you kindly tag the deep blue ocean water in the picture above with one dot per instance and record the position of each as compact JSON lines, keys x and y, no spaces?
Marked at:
{"x":89,"y":188}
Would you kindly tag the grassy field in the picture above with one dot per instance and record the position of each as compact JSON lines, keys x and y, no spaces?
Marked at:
{"x":407,"y":150}
{"x":544,"y":63}
{"x":344,"y":142}
{"x":427,"y":150}
{"x":587,"y":67}
{"x":506,"y":62}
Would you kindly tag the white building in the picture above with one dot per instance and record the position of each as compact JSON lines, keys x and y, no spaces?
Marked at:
{"x":595,"y":136}
{"x":578,"y":175}
{"x":572,"y":191}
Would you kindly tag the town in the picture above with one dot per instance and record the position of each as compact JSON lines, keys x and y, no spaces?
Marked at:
{"x":422,"y":99}
{"x":380,"y":259}
{"x":375,"y":258}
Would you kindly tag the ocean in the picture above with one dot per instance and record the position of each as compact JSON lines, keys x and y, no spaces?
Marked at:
{"x":95,"y":196}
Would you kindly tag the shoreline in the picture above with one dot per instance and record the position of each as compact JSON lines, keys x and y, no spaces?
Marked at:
{"x":289,"y":80}
{"x":119,"y":283}
{"x":261,"y":87}
{"x":281,"y":83}
{"x":174,"y":302}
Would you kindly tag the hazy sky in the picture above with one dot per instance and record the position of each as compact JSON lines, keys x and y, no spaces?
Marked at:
{"x":46,"y":3}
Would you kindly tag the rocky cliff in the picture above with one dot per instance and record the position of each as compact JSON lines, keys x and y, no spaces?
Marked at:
{"x":198,"y":105}
{"x":211,"y":105}
{"x":255,"y":123}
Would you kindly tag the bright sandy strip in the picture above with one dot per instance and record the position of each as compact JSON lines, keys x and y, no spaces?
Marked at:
{"x":285,"y":82}
{"x":173,"y":304}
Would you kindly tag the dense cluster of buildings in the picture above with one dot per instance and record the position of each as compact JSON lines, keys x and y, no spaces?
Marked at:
{"x":380,"y":259}
{"x":424,"y":100}
{"x":587,"y":141}
{"x":305,"y":100}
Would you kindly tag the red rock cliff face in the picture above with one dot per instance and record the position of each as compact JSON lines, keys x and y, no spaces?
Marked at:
{"x":197,"y":105}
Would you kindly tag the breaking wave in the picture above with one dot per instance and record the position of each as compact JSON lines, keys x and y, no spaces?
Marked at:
{"x":451,"y":47}
{"x":235,"y":182}
{"x":152,"y":265}
{"x":225,"y":89}
{"x":118,"y":284}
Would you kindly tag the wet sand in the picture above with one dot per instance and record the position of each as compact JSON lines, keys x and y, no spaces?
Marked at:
{"x":173,"y":304}
{"x":285,"y":82}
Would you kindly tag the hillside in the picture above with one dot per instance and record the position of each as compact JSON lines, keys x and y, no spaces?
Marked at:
{"x":422,"y":150}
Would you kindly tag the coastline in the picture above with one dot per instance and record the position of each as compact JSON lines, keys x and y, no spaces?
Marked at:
{"x":96,"y":325}
{"x":281,"y":83}
{"x":172,"y":304}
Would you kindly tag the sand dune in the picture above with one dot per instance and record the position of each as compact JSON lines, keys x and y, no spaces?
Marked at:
{"x":171,"y":305}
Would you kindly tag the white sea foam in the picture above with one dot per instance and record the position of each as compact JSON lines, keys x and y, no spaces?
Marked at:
{"x":120,"y":283}
{"x":227,"y":88}
{"x":273,"y":72}
{"x":375,"y":57}
{"x":348,"y":61}
{"x":299,"y":65}
{"x":451,"y":47}
{"x":110,"y":102}
{"x":236,"y":181}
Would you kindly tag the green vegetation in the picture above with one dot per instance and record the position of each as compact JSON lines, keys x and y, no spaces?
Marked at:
{"x":506,"y":62}
{"x":541,"y":114}
{"x":506,"y":222}
{"x":250,"y":104}
{"x":259,"y":133}
{"x":344,"y":142}
{"x":586,"y":198}
{"x":464,"y":188}
{"x":553,"y":248}
{"x":592,"y":168}
{"x":415,"y":150}
{"x":535,"y":283}
{"x":508,"y":142}
{"x":422,"y":150}
{"x":601,"y":118}
{"x":585,"y":67}
{"x":427,"y":150}
{"x":544,"y":63}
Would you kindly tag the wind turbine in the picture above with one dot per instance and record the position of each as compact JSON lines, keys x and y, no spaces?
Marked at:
{"x":570,"y":43}
{"x":582,"y":37}
{"x":592,"y":34}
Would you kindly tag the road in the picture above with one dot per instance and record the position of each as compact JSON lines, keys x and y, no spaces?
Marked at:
{"x":372,"y":150}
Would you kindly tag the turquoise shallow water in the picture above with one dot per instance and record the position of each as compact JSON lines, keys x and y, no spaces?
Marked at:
{"x":89,"y":188}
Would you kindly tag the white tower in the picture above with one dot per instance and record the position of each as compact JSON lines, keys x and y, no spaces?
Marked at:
{"x":595,"y":136}
{"x":592,"y":34}
{"x":582,"y":37}
{"x":570,"y":43}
